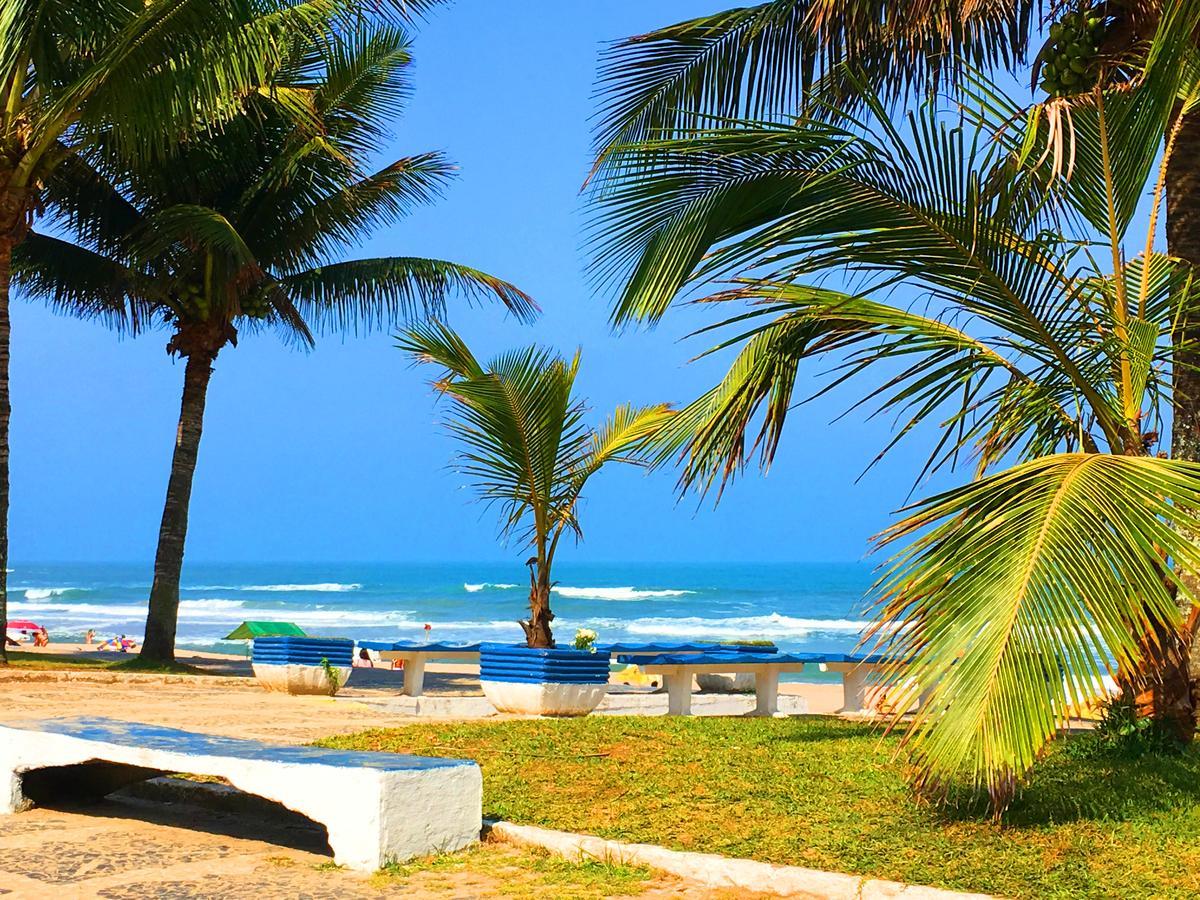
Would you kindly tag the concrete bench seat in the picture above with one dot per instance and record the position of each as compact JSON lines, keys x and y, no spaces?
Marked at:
{"x":376,"y":807}
{"x":677,"y":670}
{"x":415,"y":655}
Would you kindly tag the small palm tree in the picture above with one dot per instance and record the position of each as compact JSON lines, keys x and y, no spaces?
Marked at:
{"x":526,"y":446}
{"x":1044,"y":345}
{"x":144,"y":73}
{"x":236,"y":232}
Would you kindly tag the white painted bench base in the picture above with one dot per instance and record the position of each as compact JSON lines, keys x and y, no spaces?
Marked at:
{"x":678,"y":681}
{"x":373,"y":814}
{"x":414,"y":665}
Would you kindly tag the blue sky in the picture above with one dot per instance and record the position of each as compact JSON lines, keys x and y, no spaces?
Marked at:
{"x":336,"y":454}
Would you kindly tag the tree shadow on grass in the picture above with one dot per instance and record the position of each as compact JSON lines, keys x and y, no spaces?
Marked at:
{"x":811,"y":728}
{"x":1097,"y":786}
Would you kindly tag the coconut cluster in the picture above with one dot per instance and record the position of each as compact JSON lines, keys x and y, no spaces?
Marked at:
{"x":1071,"y":58}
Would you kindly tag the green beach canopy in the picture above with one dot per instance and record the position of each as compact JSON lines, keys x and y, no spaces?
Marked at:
{"x":249,"y":630}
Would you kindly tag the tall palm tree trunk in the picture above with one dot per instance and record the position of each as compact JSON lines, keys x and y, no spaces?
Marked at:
{"x":7,"y":241}
{"x":163,"y":616}
{"x":1180,"y":694}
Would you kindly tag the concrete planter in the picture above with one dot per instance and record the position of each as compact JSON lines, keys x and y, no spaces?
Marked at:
{"x":729,"y":683}
{"x":536,"y":682}
{"x":296,"y":665}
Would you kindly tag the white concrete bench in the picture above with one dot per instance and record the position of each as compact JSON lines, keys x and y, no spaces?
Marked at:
{"x":416,"y":655}
{"x":376,"y":807}
{"x":860,"y":694}
{"x":677,"y":670}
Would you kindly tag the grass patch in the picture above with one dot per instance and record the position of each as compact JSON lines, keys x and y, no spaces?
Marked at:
{"x":495,"y":869}
{"x":830,"y":794}
{"x":26,"y":659}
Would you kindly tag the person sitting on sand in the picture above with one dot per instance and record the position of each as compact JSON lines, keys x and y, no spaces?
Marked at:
{"x":41,"y":637}
{"x":128,"y":644}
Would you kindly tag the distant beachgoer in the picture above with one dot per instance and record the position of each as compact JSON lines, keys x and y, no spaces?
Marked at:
{"x":91,"y":636}
{"x":428,"y":629}
{"x":41,"y":637}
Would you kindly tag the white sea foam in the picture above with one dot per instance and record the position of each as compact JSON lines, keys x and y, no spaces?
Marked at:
{"x":615,"y":593}
{"x":320,"y":588}
{"x":46,"y":593}
{"x":209,"y":611}
{"x":770,"y":626}
{"x":485,"y":586}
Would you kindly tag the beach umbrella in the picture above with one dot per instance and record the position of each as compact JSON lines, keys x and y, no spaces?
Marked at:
{"x":248,"y":631}
{"x":22,"y":625}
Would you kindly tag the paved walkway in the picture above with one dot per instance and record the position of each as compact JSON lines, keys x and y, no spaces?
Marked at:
{"x":130,"y":849}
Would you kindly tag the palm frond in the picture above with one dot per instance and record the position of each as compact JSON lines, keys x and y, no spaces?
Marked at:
{"x":372,"y":293}
{"x":760,"y":61}
{"x":78,"y":282}
{"x":1019,"y":592}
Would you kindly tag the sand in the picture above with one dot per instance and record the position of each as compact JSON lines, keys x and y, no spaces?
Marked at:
{"x":238,"y":707}
{"x":126,"y":848}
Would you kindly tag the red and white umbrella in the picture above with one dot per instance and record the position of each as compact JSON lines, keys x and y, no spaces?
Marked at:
{"x":22,"y":625}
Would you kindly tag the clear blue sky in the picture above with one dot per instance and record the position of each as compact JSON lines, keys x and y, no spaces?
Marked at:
{"x":336,"y":454}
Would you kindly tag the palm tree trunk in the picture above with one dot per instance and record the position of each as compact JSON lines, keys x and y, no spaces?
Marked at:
{"x":1179,"y":697}
{"x":163,"y":616}
{"x":537,"y":626}
{"x":7,"y":241}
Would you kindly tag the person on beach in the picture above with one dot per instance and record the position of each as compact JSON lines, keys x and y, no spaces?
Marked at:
{"x":91,"y":636}
{"x":41,"y":637}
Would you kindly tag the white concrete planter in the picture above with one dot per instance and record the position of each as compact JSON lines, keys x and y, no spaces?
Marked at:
{"x":296,"y":679}
{"x":302,"y":665}
{"x":726,"y":683}
{"x":544,"y":699}
{"x":543,"y":682}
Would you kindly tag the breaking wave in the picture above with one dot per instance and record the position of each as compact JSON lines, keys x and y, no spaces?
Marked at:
{"x":616,"y":593}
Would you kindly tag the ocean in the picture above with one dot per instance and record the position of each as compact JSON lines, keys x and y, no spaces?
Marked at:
{"x":809,"y":606}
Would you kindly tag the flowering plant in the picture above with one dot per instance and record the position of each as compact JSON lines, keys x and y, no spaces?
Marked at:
{"x":585,"y":639}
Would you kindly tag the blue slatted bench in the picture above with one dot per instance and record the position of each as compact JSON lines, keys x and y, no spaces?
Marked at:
{"x":376,"y":807}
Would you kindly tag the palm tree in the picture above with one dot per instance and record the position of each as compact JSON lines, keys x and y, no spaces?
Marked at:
{"x":526,"y":446}
{"x":1043,"y":347}
{"x":762,"y":61}
{"x":748,"y":62}
{"x":152,"y":72}
{"x":240,"y":231}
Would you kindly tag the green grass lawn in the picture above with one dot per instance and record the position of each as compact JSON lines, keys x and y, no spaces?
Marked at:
{"x":829,"y":794}
{"x":117,"y":662}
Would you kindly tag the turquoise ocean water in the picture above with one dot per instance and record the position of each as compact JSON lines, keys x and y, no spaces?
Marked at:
{"x":811,"y":606}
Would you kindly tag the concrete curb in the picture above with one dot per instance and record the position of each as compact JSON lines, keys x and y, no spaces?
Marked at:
{"x":722,"y":871}
{"x":106,"y":677}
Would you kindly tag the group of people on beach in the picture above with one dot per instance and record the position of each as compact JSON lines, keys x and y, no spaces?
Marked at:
{"x":121,"y":644}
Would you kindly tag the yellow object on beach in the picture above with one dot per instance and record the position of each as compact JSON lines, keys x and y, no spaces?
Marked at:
{"x":633,"y":675}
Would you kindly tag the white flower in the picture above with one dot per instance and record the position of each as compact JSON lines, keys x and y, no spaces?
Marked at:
{"x":585,"y":639}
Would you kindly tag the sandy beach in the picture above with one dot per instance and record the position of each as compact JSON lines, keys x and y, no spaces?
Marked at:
{"x":237,"y":706}
{"x":127,"y":847}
